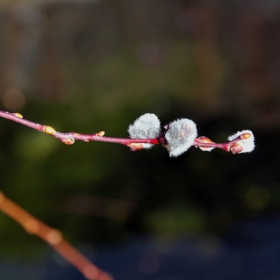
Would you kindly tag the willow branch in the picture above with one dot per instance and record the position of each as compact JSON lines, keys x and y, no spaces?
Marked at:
{"x":69,"y":138}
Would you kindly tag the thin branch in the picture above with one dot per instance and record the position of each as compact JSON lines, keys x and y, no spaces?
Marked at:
{"x":54,"y":238}
{"x":69,"y":138}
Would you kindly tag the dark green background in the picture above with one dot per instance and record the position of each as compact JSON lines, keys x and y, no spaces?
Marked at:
{"x":94,"y":66}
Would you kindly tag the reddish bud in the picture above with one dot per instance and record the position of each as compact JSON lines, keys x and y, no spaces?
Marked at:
{"x":246,"y":135}
{"x":245,"y":139}
{"x":68,"y":141}
{"x":136,"y":146}
{"x":204,"y":139}
{"x":236,"y":148}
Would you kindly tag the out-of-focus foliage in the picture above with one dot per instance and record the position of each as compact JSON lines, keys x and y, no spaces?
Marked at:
{"x":89,"y":66}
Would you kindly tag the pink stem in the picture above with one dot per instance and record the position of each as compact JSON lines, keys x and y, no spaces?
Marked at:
{"x":70,"y":137}
{"x":95,"y":137}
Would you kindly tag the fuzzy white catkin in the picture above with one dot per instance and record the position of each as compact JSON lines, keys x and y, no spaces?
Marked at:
{"x":248,"y":144}
{"x":180,"y":136}
{"x":145,"y":127}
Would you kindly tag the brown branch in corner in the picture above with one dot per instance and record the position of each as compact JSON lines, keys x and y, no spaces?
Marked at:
{"x":53,"y":237}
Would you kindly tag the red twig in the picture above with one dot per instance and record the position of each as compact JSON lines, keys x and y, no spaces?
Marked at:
{"x":69,"y":138}
{"x":53,"y":237}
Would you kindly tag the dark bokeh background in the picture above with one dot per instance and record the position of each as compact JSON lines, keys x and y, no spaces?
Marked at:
{"x":87,"y":66}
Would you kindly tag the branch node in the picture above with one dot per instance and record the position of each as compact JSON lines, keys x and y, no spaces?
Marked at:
{"x":54,"y":237}
{"x":90,"y":272}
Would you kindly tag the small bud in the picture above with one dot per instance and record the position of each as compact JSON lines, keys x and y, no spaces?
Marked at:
{"x":136,"y":146}
{"x":180,"y":136}
{"x":146,"y":126}
{"x":204,"y":139}
{"x":246,"y":135}
{"x":49,"y":130}
{"x":245,"y":139}
{"x":68,"y":141}
{"x":100,"y":133}
{"x":18,"y":115}
{"x":236,"y":148}
{"x":166,"y":126}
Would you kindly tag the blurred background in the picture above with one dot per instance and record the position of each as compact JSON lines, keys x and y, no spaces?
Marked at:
{"x":91,"y":65}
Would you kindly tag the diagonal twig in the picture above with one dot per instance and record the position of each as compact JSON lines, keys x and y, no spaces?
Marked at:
{"x":54,"y":238}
